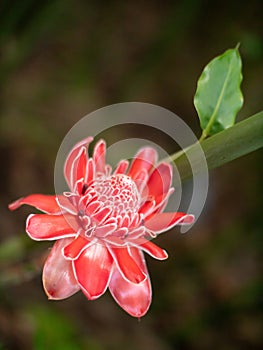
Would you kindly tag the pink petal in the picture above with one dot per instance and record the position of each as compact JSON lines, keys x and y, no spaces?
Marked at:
{"x":141,"y":178}
{"x":164,"y":221}
{"x":151,"y":249}
{"x":99,"y":156}
{"x":135,"y":299}
{"x":80,"y":187}
{"x":65,"y":203}
{"x":160,"y":181}
{"x":50,"y":227}
{"x":76,"y":247}
{"x":137,"y":219}
{"x":108,"y":170}
{"x":159,"y":205}
{"x":71,"y":157}
{"x":78,"y":169}
{"x":101,"y":215}
{"x":144,"y":159}
{"x":58,"y":278}
{"x":93,"y":207}
{"x":147,"y":207}
{"x":127,"y":266}
{"x":112,"y":240}
{"x":45,"y":203}
{"x":92,"y":270}
{"x":105,"y":230}
{"x":81,"y":166}
{"x":137,"y":233}
{"x":90,"y":172}
{"x":122,"y":167}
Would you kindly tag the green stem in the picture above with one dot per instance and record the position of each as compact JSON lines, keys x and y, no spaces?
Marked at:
{"x":237,"y":141}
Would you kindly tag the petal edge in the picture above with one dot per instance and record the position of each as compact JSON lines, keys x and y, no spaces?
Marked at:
{"x":133,"y":298}
{"x":92,"y":270}
{"x":48,"y":227}
{"x":164,"y":221}
{"x":58,"y":278}
{"x":45,"y":203}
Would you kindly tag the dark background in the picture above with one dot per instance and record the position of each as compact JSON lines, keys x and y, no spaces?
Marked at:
{"x":60,"y":60}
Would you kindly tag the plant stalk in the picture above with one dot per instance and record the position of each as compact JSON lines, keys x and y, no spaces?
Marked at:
{"x":237,"y":141}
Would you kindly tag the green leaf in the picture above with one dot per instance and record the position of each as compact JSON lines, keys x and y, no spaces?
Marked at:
{"x":218,"y":96}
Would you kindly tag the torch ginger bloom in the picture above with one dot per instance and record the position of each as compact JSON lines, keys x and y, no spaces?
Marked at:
{"x":103,"y":226}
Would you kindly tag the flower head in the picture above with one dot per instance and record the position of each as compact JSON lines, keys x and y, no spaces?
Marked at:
{"x":103,"y":226}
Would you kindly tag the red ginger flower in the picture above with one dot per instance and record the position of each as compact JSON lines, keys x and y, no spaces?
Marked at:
{"x":103,"y":226}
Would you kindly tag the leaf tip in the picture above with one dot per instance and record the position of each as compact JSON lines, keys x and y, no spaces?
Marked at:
{"x":237,"y":46}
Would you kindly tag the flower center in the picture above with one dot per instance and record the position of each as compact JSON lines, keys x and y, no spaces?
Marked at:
{"x":118,"y":192}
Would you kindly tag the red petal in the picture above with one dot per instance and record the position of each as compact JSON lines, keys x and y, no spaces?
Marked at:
{"x":50,"y":227}
{"x":93,"y":207}
{"x":135,"y":299}
{"x":144,"y":159}
{"x":58,"y":277}
{"x":92,"y":270}
{"x":76,"y":247}
{"x":152,"y":249}
{"x":160,"y":181}
{"x":141,"y":178}
{"x":78,"y":170}
{"x":71,"y":157}
{"x":99,"y":156}
{"x":127,"y":266}
{"x":45,"y":203}
{"x":112,"y":240}
{"x":147,"y":207}
{"x":101,"y":215}
{"x":90,"y":172}
{"x":82,"y":163}
{"x":105,"y":230}
{"x":122,"y":167}
{"x":65,"y":203}
{"x":159,"y":205}
{"x":164,"y":221}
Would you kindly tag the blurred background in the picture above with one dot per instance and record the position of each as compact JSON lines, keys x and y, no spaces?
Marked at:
{"x":60,"y":60}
